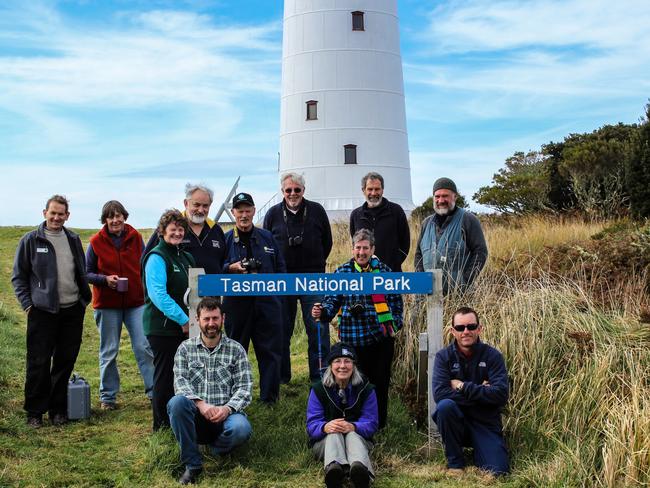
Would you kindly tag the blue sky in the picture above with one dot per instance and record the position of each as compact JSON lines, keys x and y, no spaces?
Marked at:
{"x":130,"y":99}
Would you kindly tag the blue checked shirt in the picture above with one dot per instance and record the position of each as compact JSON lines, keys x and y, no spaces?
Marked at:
{"x":363,"y":330}
{"x":219,"y":377}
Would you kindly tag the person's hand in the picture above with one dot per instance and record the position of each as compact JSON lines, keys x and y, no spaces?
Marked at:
{"x":338,"y":426}
{"x":237,"y":268}
{"x":317,"y":310}
{"x":485,"y":383}
{"x":219,"y":414}
{"x":456,"y":383}
{"x":186,"y":328}
{"x":111,"y":281}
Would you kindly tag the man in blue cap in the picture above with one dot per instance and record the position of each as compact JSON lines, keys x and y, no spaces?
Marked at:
{"x":250,"y":249}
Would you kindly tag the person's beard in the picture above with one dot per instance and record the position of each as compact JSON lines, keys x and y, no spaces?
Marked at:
{"x":375,"y":203}
{"x":444,"y":211}
{"x":197,"y":219}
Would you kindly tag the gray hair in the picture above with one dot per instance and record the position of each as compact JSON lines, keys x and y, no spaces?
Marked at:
{"x":329,"y":381}
{"x":364,"y":235}
{"x":372,"y":176}
{"x":190,"y":188}
{"x":295,"y":177}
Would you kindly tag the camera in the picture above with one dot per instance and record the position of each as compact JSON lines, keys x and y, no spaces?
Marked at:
{"x":295,"y":241}
{"x":251,"y":265}
{"x":357,"y":309}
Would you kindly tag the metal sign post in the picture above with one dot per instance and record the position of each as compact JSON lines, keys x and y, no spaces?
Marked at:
{"x":434,"y":344}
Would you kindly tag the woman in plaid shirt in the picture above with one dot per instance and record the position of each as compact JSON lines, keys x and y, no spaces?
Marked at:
{"x":367,"y":322}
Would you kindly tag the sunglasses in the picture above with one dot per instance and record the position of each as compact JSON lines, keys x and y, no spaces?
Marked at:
{"x":294,"y":190}
{"x":461,"y":328}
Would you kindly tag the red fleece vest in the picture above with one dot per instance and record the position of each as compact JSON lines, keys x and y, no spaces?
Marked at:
{"x":124,"y":262}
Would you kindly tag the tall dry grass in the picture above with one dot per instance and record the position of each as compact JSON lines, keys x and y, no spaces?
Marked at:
{"x":578,"y":357}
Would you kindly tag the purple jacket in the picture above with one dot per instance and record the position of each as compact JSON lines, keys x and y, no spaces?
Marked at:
{"x":317,"y":416}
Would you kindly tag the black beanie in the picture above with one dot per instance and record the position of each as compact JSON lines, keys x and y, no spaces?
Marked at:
{"x":444,"y":184}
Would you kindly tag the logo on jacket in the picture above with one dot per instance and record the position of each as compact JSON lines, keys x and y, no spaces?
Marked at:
{"x":269,"y":250}
{"x":176,"y":269}
{"x":216,"y":244}
{"x":482,"y":364}
{"x":42,"y":249}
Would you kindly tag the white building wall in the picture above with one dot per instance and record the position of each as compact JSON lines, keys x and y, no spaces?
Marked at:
{"x":356,"y":78}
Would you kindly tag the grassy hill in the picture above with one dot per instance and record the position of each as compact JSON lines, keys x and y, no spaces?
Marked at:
{"x":579,"y":413}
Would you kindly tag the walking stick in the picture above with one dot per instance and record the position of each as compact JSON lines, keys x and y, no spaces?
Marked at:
{"x":320,"y":346}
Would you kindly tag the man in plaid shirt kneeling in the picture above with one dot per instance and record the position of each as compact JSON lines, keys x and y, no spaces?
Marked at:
{"x":213,"y":386}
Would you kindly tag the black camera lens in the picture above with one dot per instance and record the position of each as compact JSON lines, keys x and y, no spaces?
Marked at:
{"x":295,"y":241}
{"x":357,"y":310}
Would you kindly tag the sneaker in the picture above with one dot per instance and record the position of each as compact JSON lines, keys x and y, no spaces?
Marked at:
{"x":334,"y":475}
{"x":59,"y":419}
{"x":107,"y":406}
{"x":359,"y":475}
{"x":190,"y":476}
{"x":35,"y":421}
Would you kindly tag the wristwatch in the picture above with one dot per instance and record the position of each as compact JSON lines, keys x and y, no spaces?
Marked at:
{"x":459,"y":388}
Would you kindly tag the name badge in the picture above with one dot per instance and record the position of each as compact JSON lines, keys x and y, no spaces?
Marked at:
{"x":42,"y":249}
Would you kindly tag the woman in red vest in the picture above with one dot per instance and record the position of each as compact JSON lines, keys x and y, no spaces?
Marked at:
{"x":113,"y":267}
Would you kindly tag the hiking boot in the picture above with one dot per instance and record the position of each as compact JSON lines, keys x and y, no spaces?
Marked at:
{"x":35,"y":421}
{"x":190,"y":476}
{"x":359,"y":475}
{"x":107,"y":406}
{"x":334,"y":475}
{"x":59,"y":419}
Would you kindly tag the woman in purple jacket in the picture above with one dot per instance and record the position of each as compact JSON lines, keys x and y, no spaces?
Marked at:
{"x":342,"y":418}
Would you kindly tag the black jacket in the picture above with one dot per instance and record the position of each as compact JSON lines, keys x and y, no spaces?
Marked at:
{"x":35,"y":277}
{"x":310,"y":256}
{"x":391,"y":228}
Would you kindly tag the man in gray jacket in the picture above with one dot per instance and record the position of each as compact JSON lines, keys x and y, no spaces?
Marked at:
{"x":451,"y":239}
{"x":49,"y":278}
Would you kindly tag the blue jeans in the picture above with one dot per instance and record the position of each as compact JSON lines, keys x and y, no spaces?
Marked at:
{"x":457,"y":430}
{"x":192,"y":429}
{"x":311,"y":328}
{"x":109,"y":322}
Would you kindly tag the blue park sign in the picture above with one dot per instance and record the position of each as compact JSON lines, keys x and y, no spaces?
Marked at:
{"x":315,"y":284}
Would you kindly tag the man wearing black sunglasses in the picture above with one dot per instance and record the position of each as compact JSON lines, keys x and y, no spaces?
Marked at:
{"x":302,"y":230}
{"x":470,"y":387}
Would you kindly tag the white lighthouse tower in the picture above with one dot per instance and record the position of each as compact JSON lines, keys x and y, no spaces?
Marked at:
{"x":342,"y":110}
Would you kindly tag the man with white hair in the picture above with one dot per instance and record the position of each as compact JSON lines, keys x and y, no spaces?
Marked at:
{"x":206,"y":242}
{"x":451,"y":239}
{"x":302,"y":230}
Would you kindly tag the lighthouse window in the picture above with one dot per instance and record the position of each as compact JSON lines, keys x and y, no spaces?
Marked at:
{"x":357,"y":21}
{"x":350,"y":154}
{"x":312,"y":112}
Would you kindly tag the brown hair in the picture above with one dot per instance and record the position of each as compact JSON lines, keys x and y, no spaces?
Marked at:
{"x":171,"y":216}
{"x":465,"y":311}
{"x":57,"y":199}
{"x":208,"y":303}
{"x":111,"y":208}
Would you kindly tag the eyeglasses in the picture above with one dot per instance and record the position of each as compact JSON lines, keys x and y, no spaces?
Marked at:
{"x":294,"y":190}
{"x":461,"y":328}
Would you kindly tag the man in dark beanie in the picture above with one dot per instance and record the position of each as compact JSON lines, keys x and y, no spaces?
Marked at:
{"x":451,"y":239}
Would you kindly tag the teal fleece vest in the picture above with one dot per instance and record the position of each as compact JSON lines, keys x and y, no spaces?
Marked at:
{"x":178,"y":263}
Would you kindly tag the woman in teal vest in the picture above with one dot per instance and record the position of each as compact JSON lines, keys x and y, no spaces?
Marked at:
{"x":342,"y":418}
{"x":166,"y":321}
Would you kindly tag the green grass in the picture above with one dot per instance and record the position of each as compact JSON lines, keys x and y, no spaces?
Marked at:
{"x":118,"y":448}
{"x":578,"y":415}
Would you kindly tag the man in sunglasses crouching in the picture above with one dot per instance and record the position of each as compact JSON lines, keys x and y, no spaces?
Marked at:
{"x":470,"y":387}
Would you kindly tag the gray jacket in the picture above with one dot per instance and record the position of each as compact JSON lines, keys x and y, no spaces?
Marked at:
{"x":35,"y":274}
{"x":474,"y":240}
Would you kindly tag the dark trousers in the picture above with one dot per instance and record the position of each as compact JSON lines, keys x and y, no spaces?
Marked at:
{"x":53,"y":342}
{"x":375,"y":361}
{"x":259,"y":319}
{"x":164,"y":349}
{"x":457,"y":430}
{"x":317,"y":350}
